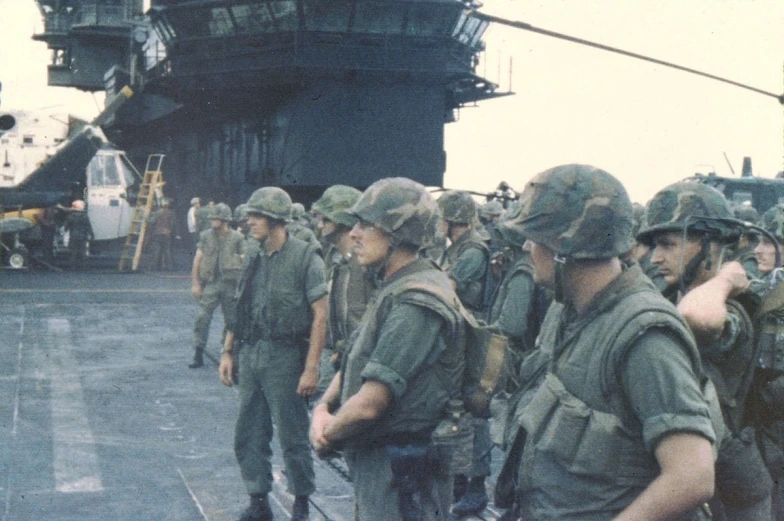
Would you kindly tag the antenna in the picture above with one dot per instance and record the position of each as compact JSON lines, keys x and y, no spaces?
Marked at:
{"x":728,"y":163}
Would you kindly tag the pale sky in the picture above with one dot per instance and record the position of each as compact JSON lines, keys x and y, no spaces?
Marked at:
{"x":646,"y":124}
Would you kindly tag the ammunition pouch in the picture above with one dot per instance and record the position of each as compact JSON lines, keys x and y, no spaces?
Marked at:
{"x":584,"y":441}
{"x":412,"y":465}
{"x":741,"y":476}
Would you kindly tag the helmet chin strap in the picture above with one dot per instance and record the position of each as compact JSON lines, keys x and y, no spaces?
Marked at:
{"x":558,"y":279}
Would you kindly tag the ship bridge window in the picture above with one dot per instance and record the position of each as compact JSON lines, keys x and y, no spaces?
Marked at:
{"x":285,"y":12}
{"x":60,"y":57}
{"x":191,"y":23}
{"x":741,"y":197}
{"x":430,"y":20}
{"x":220,"y":22}
{"x":469,"y":30}
{"x":329,"y":16}
{"x":253,"y":18}
{"x":164,"y":30}
{"x":379,"y":18}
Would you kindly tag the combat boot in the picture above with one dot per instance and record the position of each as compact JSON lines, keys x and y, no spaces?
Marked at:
{"x":198,"y":360}
{"x":258,"y":510}
{"x":300,"y":510}
{"x":473,"y":501}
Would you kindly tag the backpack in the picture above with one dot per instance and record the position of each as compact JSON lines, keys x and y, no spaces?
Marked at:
{"x":486,"y":369}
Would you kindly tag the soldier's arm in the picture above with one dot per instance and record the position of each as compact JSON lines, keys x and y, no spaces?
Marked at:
{"x":685,"y":483}
{"x":318,"y":333}
{"x":323,"y":414}
{"x":359,"y":411}
{"x":704,"y":307}
{"x":195,"y":283}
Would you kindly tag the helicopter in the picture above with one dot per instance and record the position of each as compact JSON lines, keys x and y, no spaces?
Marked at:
{"x":84,"y":166}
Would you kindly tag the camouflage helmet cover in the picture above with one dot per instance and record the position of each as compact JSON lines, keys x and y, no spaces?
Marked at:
{"x":682,"y":204}
{"x":578,"y":211}
{"x":335,"y":202}
{"x":773,"y":221}
{"x":491,"y":208}
{"x":745,"y":213}
{"x":297,"y":211}
{"x":241,"y":213}
{"x":508,"y":225}
{"x":271,"y":201}
{"x":401,"y":207}
{"x":220,"y":211}
{"x":457,"y":207}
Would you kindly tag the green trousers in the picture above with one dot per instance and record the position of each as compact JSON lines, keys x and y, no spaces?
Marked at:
{"x":269,"y":374}
{"x":376,"y":498}
{"x":213,"y":294}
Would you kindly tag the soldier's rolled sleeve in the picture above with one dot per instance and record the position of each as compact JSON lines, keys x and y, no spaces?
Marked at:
{"x":407,"y":344}
{"x":315,"y":279}
{"x":663,"y":390}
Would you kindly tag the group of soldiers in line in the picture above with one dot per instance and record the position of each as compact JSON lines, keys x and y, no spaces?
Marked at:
{"x":645,"y":360}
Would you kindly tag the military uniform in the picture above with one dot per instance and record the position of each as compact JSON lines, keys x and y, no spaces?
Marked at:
{"x":219,"y":272}
{"x":465,"y":261}
{"x":743,"y":485}
{"x":619,"y":377}
{"x":276,"y":293}
{"x":401,"y":343}
{"x":80,"y":234}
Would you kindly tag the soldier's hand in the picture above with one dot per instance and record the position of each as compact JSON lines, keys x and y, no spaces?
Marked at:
{"x":735,"y":275}
{"x":196,"y":290}
{"x":318,"y":424}
{"x":308,"y":383}
{"x":226,"y":368}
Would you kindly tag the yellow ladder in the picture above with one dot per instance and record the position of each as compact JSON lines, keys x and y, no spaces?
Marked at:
{"x":152,"y":187}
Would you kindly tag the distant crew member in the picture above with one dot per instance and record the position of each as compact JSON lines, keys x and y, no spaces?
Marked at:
{"x":80,"y":234}
{"x":216,"y":271}
{"x":161,"y":224}
{"x":280,"y":329}
{"x":193,"y":223}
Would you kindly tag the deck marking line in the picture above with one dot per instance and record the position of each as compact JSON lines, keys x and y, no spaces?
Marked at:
{"x":76,"y":467}
{"x":192,"y":494}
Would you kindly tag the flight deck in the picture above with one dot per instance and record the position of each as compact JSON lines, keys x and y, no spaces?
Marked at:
{"x":102,"y":419}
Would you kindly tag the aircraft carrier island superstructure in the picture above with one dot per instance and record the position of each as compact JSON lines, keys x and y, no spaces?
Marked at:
{"x":300,"y":94}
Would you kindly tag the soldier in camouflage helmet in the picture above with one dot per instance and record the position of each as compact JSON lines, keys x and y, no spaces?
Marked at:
{"x":403,"y":364}
{"x":771,"y":221}
{"x":611,"y":350}
{"x":691,"y":227}
{"x":280,"y":329}
{"x":743,"y":251}
{"x":214,"y":275}
{"x":350,"y":288}
{"x":768,"y":386}
{"x":299,"y":226}
{"x":466,"y":261}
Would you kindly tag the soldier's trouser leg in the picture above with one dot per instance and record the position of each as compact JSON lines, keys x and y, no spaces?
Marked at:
{"x":483,"y":446}
{"x":253,"y":432}
{"x":376,"y":498}
{"x":210,"y":298}
{"x":281,"y":367}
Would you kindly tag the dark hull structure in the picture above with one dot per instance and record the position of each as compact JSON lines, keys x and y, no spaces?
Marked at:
{"x":300,"y":94}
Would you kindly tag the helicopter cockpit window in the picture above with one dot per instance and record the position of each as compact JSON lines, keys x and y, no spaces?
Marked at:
{"x":739,"y":197}
{"x":104,"y":171}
